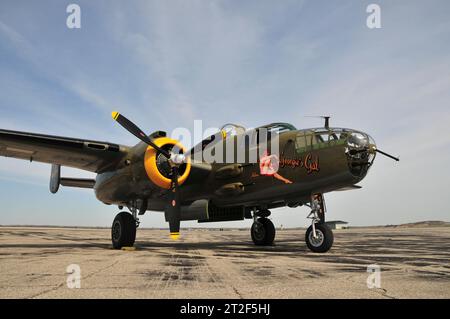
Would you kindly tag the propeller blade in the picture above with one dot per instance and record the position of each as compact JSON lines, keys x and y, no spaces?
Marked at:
{"x":136,"y":131}
{"x":388,"y":155}
{"x":174,"y":209}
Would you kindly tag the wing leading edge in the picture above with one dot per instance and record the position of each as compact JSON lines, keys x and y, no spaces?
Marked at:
{"x":93,"y":156}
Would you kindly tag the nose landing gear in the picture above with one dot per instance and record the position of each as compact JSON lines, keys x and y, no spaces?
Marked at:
{"x":319,"y":237}
{"x":322,"y":241}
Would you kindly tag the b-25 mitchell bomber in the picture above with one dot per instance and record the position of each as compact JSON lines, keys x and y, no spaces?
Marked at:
{"x":251,"y":172}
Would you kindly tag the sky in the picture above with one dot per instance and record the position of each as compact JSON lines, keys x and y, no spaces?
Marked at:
{"x":165,"y":64}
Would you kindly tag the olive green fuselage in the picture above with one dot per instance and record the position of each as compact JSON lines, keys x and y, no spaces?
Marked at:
{"x":318,"y":165}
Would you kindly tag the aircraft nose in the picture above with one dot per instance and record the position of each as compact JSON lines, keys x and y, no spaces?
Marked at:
{"x":361,"y":150}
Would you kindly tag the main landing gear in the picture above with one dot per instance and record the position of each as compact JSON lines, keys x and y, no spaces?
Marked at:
{"x":319,"y":237}
{"x":263,"y":230}
{"x":123,"y":229}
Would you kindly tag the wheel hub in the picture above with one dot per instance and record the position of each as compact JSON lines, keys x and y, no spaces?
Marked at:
{"x":259,"y":232}
{"x":318,"y":240}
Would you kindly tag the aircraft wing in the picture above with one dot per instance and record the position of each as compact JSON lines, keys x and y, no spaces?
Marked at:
{"x":87,"y":155}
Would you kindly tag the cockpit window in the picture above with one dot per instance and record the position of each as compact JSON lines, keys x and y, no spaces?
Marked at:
{"x":319,"y":138}
{"x":322,"y":137}
{"x":300,"y":142}
{"x":304,"y":140}
{"x":338,"y":134}
{"x":333,"y":136}
{"x":343,"y":135}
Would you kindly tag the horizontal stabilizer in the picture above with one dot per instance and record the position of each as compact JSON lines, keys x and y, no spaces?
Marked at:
{"x":56,"y":180}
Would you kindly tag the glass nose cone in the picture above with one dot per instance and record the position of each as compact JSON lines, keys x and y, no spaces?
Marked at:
{"x":358,"y":141}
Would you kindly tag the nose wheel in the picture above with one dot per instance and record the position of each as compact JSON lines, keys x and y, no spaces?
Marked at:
{"x":319,"y":237}
{"x":323,"y":239}
{"x":263,"y":232}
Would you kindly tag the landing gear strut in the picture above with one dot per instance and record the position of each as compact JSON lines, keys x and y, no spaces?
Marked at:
{"x":263,"y":230}
{"x":319,"y":237}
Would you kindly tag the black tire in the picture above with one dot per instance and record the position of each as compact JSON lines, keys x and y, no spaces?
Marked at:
{"x":123,"y":230}
{"x":325,"y":238}
{"x":263,"y":232}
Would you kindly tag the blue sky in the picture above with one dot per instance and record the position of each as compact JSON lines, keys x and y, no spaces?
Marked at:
{"x":166,"y":63}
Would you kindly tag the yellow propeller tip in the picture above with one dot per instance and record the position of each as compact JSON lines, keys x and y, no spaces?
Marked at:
{"x":115,"y":115}
{"x":174,"y":236}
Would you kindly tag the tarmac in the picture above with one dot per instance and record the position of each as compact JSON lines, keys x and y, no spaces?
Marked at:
{"x":413,"y":262}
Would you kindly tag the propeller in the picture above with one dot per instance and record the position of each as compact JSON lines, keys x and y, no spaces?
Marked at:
{"x":173,"y":210}
{"x":136,"y":131}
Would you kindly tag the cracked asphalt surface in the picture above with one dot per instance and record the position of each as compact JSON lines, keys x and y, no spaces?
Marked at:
{"x":414,"y":262}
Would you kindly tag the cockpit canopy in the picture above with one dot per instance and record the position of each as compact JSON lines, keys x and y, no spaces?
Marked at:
{"x":235,"y":129}
{"x":316,"y":137}
{"x":231,"y":129}
{"x":312,"y":137}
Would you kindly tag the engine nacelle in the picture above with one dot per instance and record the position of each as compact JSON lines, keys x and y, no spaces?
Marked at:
{"x":158,"y":167}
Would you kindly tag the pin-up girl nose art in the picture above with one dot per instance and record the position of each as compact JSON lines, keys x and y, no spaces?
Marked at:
{"x":268,"y":166}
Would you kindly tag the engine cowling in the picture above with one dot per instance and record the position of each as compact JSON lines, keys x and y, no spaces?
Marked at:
{"x":157,"y":166}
